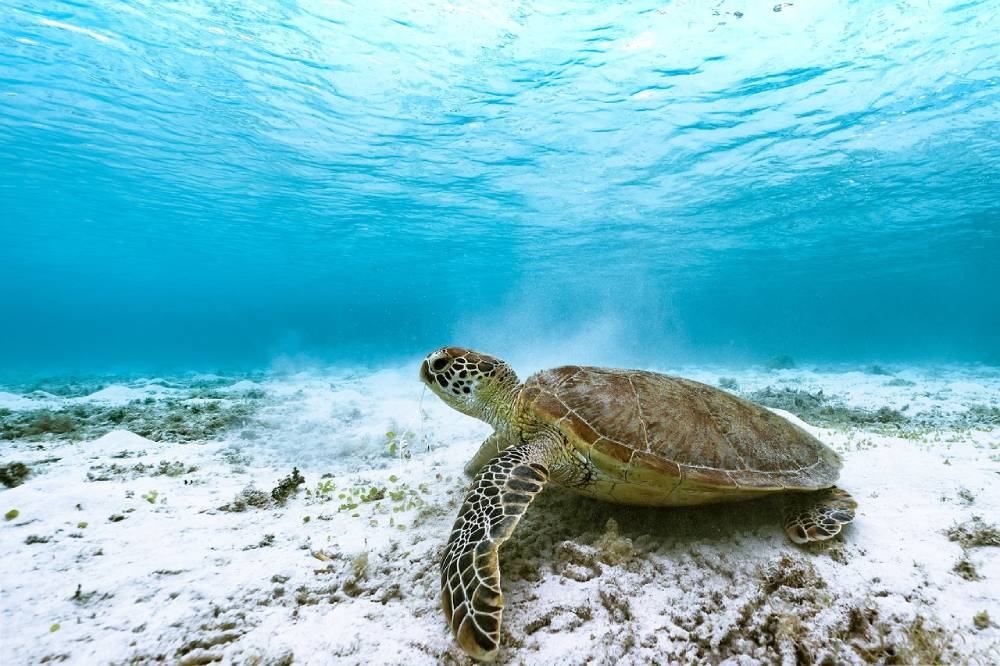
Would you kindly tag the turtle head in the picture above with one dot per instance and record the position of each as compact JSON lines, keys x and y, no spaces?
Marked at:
{"x":476,"y":384}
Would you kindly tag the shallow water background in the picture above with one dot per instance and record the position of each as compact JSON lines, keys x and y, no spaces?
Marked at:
{"x":195,"y":184}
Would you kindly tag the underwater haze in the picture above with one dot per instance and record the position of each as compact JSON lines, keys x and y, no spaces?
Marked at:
{"x":204,"y":184}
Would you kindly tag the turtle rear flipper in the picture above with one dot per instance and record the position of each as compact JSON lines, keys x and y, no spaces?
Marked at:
{"x":470,"y":571}
{"x":818,"y":516}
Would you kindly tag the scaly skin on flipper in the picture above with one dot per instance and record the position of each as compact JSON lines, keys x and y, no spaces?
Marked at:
{"x":818,"y":516}
{"x":470,"y":571}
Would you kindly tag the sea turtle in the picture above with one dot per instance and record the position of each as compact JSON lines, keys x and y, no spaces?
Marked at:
{"x":626,"y":436}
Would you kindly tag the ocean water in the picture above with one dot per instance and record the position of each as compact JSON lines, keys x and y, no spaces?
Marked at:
{"x":216,"y":185}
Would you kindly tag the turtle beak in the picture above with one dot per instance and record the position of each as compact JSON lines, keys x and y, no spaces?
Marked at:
{"x":425,"y":373}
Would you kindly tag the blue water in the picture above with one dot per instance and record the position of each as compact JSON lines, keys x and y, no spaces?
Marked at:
{"x":204,"y":185}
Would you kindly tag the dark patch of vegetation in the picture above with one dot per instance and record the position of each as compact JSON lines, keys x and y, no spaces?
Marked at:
{"x":220,"y":393}
{"x":249,"y":497}
{"x":880,"y":415}
{"x":258,"y":499}
{"x":981,"y":620}
{"x":13,"y":474}
{"x":34,"y":538}
{"x":819,"y":409}
{"x":779,"y":623}
{"x":877,"y":369}
{"x":612,"y":548}
{"x":235,"y":457}
{"x":173,"y":469}
{"x":966,"y":569}
{"x":923,"y":644}
{"x":206,"y":644}
{"x":823,"y":410}
{"x":114,"y":470}
{"x":107,"y":472}
{"x":581,"y":614}
{"x":978,"y":416}
{"x":287,"y":487}
{"x":43,"y":422}
{"x":82,"y":598}
{"x":900,"y":382}
{"x":616,"y":603}
{"x":73,"y":388}
{"x":128,"y":454}
{"x":160,"y":420}
{"x":790,"y":572}
{"x":11,"y":515}
{"x":798,"y":402}
{"x":265,"y":542}
{"x":973,"y":533}
{"x":966,"y":497}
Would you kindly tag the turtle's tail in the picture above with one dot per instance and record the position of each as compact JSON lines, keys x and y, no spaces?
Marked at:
{"x":818,"y":516}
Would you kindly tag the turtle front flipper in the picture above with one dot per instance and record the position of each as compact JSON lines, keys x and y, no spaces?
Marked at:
{"x":488,"y":450}
{"x":818,"y":516}
{"x":470,"y":571}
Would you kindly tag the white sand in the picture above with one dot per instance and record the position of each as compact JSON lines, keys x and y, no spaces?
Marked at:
{"x":179,"y":581}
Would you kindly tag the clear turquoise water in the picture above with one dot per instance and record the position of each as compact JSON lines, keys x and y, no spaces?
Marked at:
{"x":194,"y":184}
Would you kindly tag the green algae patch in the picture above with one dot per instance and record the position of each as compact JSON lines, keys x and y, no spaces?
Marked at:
{"x":13,"y":474}
{"x":11,"y":515}
{"x":253,"y":498}
{"x":153,"y":495}
{"x":373,"y":494}
{"x":287,"y":487}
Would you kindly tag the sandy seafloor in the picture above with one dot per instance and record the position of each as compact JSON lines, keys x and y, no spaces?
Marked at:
{"x":120,"y":553}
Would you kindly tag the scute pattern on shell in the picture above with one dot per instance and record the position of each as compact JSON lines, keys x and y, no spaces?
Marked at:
{"x":662,"y":423}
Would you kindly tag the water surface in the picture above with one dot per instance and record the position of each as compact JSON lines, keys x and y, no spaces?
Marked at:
{"x":197,"y":184}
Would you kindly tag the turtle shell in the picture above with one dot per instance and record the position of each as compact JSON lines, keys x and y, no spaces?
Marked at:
{"x":660,"y":428}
